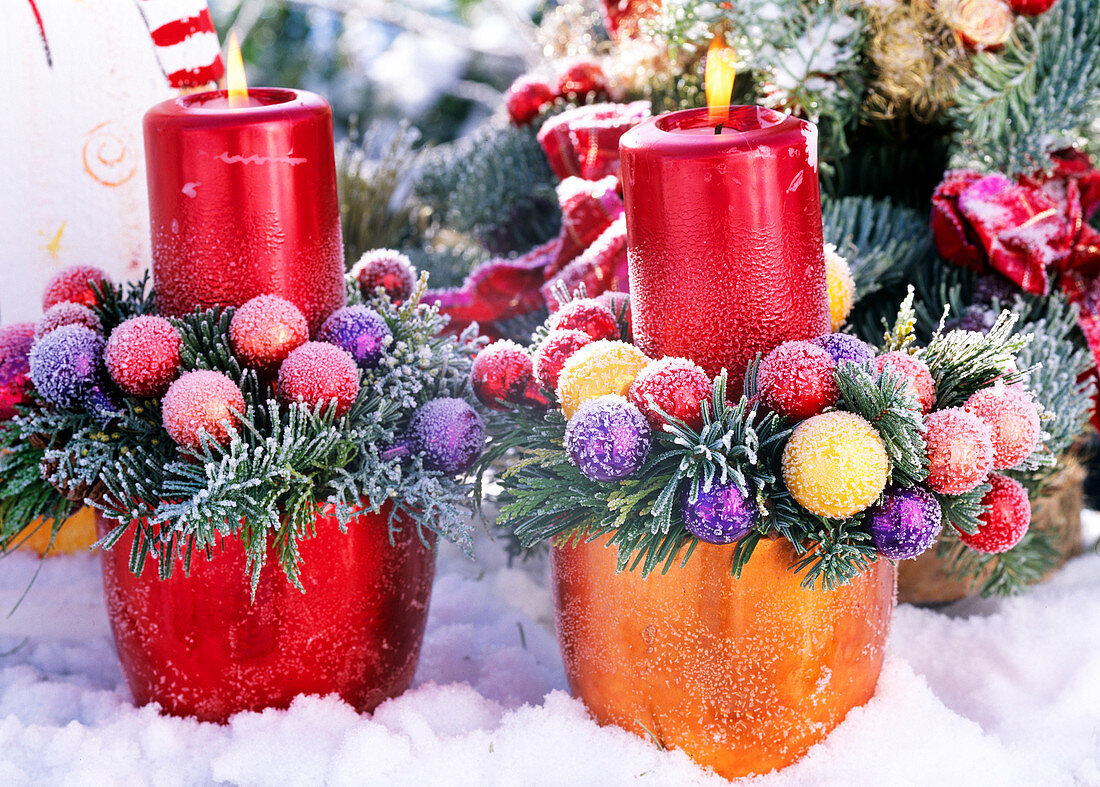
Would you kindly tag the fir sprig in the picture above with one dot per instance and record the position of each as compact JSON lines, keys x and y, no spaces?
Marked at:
{"x":962,"y":362}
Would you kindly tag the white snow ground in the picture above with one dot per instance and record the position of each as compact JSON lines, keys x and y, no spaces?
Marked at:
{"x":991,"y":693}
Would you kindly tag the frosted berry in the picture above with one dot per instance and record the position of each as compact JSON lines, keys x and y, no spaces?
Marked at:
{"x":841,"y":286}
{"x":796,"y":380}
{"x":835,"y":464}
{"x":448,"y":434}
{"x":74,"y":285}
{"x":960,"y":450}
{"x":677,"y":386}
{"x":1005,"y":520}
{"x":619,"y":304}
{"x":502,"y":372}
{"x":66,"y":365}
{"x":359,"y":331}
{"x":588,"y":315}
{"x":15,"y":366}
{"x":602,"y":367}
{"x":264,"y":331}
{"x":921,"y":384}
{"x":720,"y":514}
{"x":557,"y":348}
{"x":143,"y":355}
{"x":202,"y":401}
{"x":67,"y":313}
{"x":845,"y":348}
{"x":1013,"y":418}
{"x":905,"y":523}
{"x":580,"y":78}
{"x":1031,"y":7}
{"x":319,"y":373}
{"x":608,"y":438}
{"x":391,"y":270}
{"x":526,"y":98}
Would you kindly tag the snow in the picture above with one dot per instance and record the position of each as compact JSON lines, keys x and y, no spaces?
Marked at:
{"x":1000,"y":692}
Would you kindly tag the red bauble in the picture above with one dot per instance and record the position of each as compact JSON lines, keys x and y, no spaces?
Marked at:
{"x":265,"y":330}
{"x":960,"y":450}
{"x":1013,"y":417}
{"x":74,"y":285}
{"x":526,"y":97}
{"x":1006,"y":519}
{"x":143,"y":355}
{"x":391,"y":270}
{"x":557,"y":348}
{"x":677,"y":386}
{"x":796,"y":380}
{"x":1031,"y":7}
{"x":921,"y":384}
{"x":501,"y":372}
{"x":15,"y":348}
{"x":317,"y":373}
{"x":66,"y":313}
{"x":201,"y":400}
{"x":581,"y":78}
{"x":588,"y":315}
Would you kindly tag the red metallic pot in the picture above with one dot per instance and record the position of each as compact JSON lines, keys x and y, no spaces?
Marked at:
{"x":199,"y":646}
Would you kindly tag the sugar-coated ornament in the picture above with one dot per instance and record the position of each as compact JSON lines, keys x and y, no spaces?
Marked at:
{"x":602,"y":367}
{"x":67,"y":313}
{"x":845,"y":348}
{"x":448,"y":434}
{"x":905,"y":523}
{"x":501,"y":373}
{"x":318,"y":373}
{"x":143,"y":355}
{"x":526,"y":97}
{"x":619,"y":304}
{"x":921,"y":384}
{"x":796,"y":380}
{"x":841,"y":286}
{"x":677,"y":386}
{"x":1031,"y":7}
{"x":557,"y":348}
{"x":264,"y":331}
{"x":359,"y":331}
{"x":588,"y":315}
{"x":608,"y":438}
{"x":835,"y":464}
{"x":1013,"y":418}
{"x":960,"y":450}
{"x":581,"y":78}
{"x":66,"y":365}
{"x":74,"y":285}
{"x":720,"y":514}
{"x":202,"y":401}
{"x":1006,"y":518}
{"x":386,"y":268}
{"x":15,"y":366}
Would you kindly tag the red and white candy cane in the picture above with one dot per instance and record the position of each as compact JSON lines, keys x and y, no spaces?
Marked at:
{"x":186,"y":44}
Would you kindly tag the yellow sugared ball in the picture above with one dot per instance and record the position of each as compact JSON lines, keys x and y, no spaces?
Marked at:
{"x":842,"y":287}
{"x":835,"y":464}
{"x":602,"y":367}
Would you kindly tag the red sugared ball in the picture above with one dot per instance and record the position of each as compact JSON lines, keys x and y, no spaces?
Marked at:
{"x":265,"y":330}
{"x":391,"y":270}
{"x":557,"y":348}
{"x":588,"y":315}
{"x":677,"y":386}
{"x":143,"y":355}
{"x":66,"y":313}
{"x":526,"y":97}
{"x":318,"y":373}
{"x":15,"y":348}
{"x":1013,"y":417}
{"x":501,"y":372}
{"x":796,"y":380}
{"x":201,"y":401}
{"x":1006,"y":519}
{"x":580,"y":78}
{"x":74,"y":285}
{"x":960,"y":450}
{"x":1031,"y":7}
{"x":921,"y":384}
{"x":619,"y":303}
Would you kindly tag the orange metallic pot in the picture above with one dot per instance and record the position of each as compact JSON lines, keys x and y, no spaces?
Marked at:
{"x":744,"y":675}
{"x":77,"y":534}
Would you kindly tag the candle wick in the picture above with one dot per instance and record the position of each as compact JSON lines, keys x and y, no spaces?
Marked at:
{"x":718,"y":129}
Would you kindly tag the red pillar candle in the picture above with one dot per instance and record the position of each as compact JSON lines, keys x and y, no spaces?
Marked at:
{"x":242,"y":202}
{"x":723,"y":235}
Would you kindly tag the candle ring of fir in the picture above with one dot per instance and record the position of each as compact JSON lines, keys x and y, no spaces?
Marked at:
{"x":262,"y":465}
{"x":896,"y":451}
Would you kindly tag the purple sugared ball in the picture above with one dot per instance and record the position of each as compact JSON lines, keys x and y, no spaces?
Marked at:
{"x":360,"y":331}
{"x":975,"y":318}
{"x":67,"y":366}
{"x":719,"y":515}
{"x":15,"y":348}
{"x":608,"y":438}
{"x":448,"y":434}
{"x":995,"y":287}
{"x":906,"y":523}
{"x":845,"y":348}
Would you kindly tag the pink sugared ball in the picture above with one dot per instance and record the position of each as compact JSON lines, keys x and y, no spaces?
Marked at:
{"x":501,"y":373}
{"x":265,"y":330}
{"x":15,"y":366}
{"x":796,"y":380}
{"x":386,"y":268}
{"x":1005,"y":520}
{"x":1013,"y":417}
{"x":74,"y":285}
{"x":143,"y":355}
{"x":200,"y":401}
{"x":66,"y":313}
{"x":588,"y":315}
{"x":960,"y":450}
{"x":557,"y":348}
{"x":317,"y":373}
{"x":921,"y":384}
{"x":677,"y":386}
{"x":526,"y":97}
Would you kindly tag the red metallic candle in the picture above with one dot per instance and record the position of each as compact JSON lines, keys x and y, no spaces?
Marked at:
{"x":723,"y":236}
{"x":242,"y":202}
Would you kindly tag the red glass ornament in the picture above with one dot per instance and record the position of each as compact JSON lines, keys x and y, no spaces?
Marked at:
{"x":199,"y":646}
{"x":501,"y":372}
{"x":581,"y":78}
{"x":243,"y":202}
{"x":526,"y":97}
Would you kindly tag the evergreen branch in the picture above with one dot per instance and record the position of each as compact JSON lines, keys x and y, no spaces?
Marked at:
{"x":116,"y":303}
{"x":962,"y":362}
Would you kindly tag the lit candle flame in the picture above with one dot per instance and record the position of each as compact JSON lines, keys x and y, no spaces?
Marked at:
{"x":234,"y":74}
{"x":720,"y":72}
